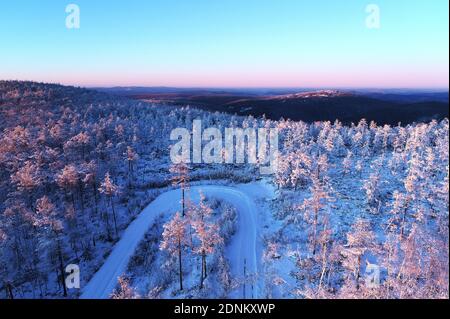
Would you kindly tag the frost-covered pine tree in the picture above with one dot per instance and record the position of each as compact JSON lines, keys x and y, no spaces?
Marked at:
{"x":108,"y":188}
{"x":180,"y":178}
{"x":371,"y":188}
{"x":313,"y":208}
{"x":131,"y":157}
{"x":46,"y":218}
{"x":124,"y":290}
{"x":359,"y":240}
{"x":28,"y":179}
{"x":347,"y":163}
{"x":321,"y":167}
{"x":68,"y":180}
{"x":174,"y":240}
{"x":301,"y":169}
{"x":208,"y":238}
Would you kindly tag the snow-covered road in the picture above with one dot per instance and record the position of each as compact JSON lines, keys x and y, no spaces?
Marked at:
{"x":243,"y":249}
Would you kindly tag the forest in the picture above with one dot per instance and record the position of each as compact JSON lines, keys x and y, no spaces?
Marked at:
{"x":78,"y":166}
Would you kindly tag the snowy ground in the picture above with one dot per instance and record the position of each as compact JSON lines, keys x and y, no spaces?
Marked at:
{"x":245,"y":247}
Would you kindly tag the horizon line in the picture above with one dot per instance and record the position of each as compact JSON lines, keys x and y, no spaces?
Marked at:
{"x":268,"y":87}
{"x":88,"y":86}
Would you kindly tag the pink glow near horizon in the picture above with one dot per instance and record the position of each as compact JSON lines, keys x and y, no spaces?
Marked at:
{"x":409,"y":79}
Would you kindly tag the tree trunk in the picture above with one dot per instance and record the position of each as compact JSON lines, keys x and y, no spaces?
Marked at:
{"x":315,"y":230}
{"x":130,"y":173}
{"x":73,"y":200}
{"x":9,"y":290}
{"x":357,"y":272}
{"x":94,"y":186}
{"x":180,"y":264}
{"x":108,"y":230}
{"x":61,"y":268}
{"x":324,"y":265}
{"x":245,"y":275}
{"x":402,"y":226}
{"x":203,"y":266}
{"x":182,"y":199}
{"x":81,"y":197}
{"x":30,"y":199}
{"x":114,"y":216}
{"x":201,"y":276}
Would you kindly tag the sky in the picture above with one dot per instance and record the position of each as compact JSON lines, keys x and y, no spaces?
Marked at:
{"x":227,"y":43}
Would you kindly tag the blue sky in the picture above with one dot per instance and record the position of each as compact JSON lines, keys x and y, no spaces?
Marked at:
{"x":227,"y":43}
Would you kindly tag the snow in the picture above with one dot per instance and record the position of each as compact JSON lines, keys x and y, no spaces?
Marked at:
{"x":245,"y":246}
{"x":396,"y":178}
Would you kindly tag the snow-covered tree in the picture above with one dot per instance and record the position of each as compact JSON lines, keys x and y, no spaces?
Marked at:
{"x":68,"y":180}
{"x":46,"y":218}
{"x":124,"y":290}
{"x":131,"y":157}
{"x":180,"y":178}
{"x":174,"y":241}
{"x":108,"y":188}
{"x":208,"y":238}
{"x":314,"y":207}
{"x":360,"y":240}
{"x":27,"y":179}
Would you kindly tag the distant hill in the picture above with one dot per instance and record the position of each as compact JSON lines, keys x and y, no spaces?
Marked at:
{"x":413,"y":97}
{"x":347,"y":108}
{"x":382,"y":106}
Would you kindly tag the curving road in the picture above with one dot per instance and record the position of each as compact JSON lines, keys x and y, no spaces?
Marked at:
{"x":242,"y":249}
